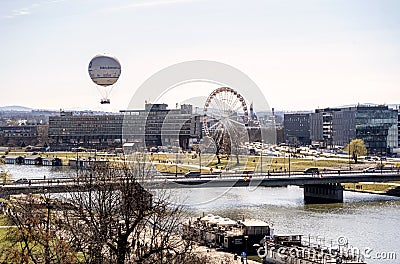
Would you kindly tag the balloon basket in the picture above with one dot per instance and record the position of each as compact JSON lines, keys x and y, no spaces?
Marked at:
{"x":105,"y":101}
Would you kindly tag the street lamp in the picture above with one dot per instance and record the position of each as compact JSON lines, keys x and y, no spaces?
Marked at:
{"x":284,"y":162}
{"x":261,"y":156}
{"x":245,"y":238}
{"x":77,"y":158}
{"x":176,"y":165}
{"x":200,"y":159}
{"x":349,"y":156}
{"x":381,"y":159}
{"x":290,"y":151}
{"x":176,"y":156}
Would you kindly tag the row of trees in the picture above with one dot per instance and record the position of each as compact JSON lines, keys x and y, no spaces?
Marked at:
{"x":111,"y":218}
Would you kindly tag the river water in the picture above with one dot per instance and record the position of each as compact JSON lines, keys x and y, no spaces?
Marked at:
{"x":368,"y":222}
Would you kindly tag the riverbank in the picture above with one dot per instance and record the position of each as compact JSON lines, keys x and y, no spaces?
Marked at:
{"x":184,"y":162}
{"x":216,"y":257}
{"x":391,"y":189}
{"x":210,"y":255}
{"x":255,"y":236}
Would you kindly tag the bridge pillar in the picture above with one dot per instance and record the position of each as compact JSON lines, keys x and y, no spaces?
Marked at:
{"x":323,"y":193}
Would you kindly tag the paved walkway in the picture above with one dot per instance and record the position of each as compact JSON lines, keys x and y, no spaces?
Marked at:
{"x":220,"y":256}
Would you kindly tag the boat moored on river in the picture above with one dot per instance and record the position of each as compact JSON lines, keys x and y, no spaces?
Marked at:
{"x":251,"y":236}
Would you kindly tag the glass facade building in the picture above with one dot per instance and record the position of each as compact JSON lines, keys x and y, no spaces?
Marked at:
{"x":398,"y":129}
{"x":376,"y":125}
{"x":297,"y":129}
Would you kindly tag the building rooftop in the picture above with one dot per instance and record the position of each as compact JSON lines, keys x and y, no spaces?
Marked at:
{"x":253,"y":222}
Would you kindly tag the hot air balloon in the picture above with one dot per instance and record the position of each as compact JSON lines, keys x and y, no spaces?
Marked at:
{"x":104,"y":71}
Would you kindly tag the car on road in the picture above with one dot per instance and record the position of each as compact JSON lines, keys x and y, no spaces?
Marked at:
{"x":370,"y":169}
{"x":311,"y":171}
{"x":193,"y":174}
{"x":22,"y":181}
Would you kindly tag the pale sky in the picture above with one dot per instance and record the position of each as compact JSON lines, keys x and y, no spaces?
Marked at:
{"x":302,"y":54}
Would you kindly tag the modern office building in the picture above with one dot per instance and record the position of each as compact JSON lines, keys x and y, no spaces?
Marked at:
{"x":376,"y":125}
{"x":70,"y":130}
{"x":398,"y":129}
{"x":19,"y":135}
{"x":321,"y":126}
{"x":158,"y":126}
{"x":150,"y":127}
{"x":316,"y":132}
{"x":297,"y":129}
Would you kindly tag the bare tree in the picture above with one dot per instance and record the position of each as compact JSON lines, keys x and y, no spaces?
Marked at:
{"x":220,"y":143}
{"x":123,"y":222}
{"x":229,"y":140}
{"x":34,"y":239}
{"x":106,"y":217}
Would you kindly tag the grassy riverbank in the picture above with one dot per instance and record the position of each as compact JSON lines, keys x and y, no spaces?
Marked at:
{"x":190,"y":161}
{"x":375,"y":188}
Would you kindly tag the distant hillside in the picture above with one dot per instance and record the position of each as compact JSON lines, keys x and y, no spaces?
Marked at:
{"x":15,"y":108}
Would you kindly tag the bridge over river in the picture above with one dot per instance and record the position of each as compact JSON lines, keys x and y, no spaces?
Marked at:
{"x":323,"y":188}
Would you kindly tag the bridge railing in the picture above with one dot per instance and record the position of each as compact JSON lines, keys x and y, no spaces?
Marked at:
{"x":222,"y":176}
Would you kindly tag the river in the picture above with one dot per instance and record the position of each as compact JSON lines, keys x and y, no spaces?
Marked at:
{"x":368,"y":222}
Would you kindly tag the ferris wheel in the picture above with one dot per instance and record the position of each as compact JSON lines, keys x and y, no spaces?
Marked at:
{"x":224,"y":110}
